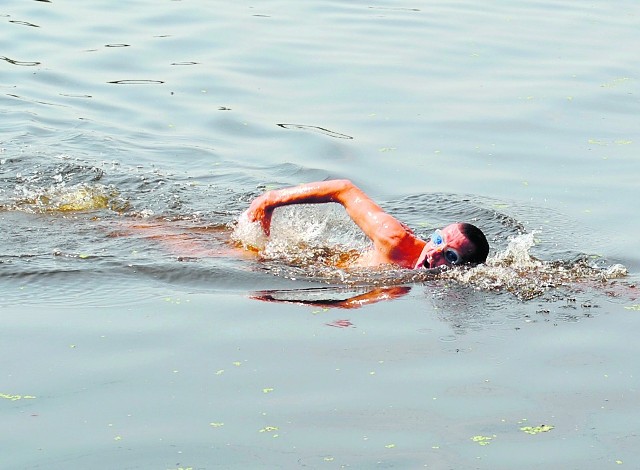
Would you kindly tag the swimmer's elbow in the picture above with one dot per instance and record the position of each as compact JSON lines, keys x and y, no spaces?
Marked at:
{"x":345,"y":191}
{"x":343,"y":185}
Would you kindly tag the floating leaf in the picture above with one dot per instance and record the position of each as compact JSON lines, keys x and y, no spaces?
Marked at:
{"x":615,"y":82}
{"x":267,"y":390}
{"x":6,"y":396}
{"x":633,"y":307}
{"x":269,"y":429}
{"x":216,"y":425}
{"x":483,"y":440}
{"x":536,"y":429}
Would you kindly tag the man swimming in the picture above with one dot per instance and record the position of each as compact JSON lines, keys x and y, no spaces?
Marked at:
{"x":393,"y":242}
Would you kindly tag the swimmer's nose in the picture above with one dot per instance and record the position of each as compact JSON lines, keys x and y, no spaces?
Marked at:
{"x":436,"y":258}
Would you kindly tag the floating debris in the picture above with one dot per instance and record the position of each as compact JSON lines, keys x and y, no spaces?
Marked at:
{"x":483,"y":440}
{"x":7,"y":396}
{"x":321,"y":130}
{"x":536,"y":429}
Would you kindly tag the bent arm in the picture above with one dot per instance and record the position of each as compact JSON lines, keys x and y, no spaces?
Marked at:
{"x":354,"y":200}
{"x":392,"y":240}
{"x":261,"y":209}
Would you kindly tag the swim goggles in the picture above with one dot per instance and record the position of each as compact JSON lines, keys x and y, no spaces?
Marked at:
{"x":440,"y":242}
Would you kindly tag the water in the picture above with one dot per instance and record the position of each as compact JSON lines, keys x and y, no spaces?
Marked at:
{"x":134,"y":136}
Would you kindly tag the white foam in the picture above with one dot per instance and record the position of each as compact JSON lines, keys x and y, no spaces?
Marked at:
{"x":303,"y":233}
{"x":249,"y":234}
{"x":516,"y":254}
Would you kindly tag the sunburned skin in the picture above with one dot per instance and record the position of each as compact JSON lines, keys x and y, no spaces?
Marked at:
{"x":434,"y":256}
{"x":393,"y":242}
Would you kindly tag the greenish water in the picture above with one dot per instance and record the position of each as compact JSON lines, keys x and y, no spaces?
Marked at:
{"x":120,"y":350}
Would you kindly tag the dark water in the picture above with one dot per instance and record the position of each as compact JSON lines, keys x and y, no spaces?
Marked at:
{"x":134,"y":135}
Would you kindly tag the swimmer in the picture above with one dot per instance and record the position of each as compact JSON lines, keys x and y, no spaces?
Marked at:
{"x":393,"y":242}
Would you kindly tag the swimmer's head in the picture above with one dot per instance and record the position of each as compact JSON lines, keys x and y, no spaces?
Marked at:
{"x":454,"y":245}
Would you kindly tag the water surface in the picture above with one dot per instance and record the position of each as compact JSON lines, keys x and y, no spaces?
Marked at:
{"x":120,"y":350}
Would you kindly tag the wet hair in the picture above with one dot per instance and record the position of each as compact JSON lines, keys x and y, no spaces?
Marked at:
{"x":479,"y":241}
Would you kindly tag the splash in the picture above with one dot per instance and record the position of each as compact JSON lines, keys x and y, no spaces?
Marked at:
{"x":73,"y":198}
{"x":249,"y":234}
{"x":317,"y":246}
{"x":305,"y":236}
{"x":514,"y":270}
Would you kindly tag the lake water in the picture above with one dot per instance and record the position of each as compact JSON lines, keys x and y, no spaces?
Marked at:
{"x":125,"y":347}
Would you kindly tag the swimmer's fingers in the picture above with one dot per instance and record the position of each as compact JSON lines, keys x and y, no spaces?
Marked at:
{"x":263,"y":217}
{"x":259,"y":211}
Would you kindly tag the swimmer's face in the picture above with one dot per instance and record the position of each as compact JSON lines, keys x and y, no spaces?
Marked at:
{"x":445,"y":247}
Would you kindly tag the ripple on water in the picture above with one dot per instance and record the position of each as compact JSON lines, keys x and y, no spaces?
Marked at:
{"x":310,"y":243}
{"x":71,"y":289}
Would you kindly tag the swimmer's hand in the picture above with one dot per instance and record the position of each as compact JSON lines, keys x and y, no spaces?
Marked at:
{"x":261,"y":211}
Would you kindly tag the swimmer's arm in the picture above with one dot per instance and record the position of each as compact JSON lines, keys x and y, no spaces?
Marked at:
{"x":261,"y":209}
{"x":182,"y":239}
{"x":392,"y":239}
